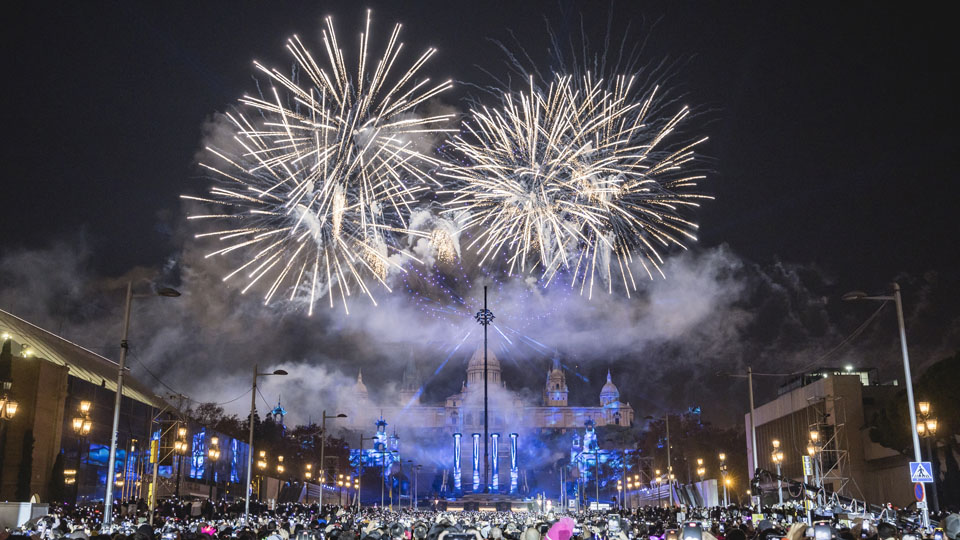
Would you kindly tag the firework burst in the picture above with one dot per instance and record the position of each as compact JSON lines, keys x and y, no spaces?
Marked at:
{"x":579,"y":176}
{"x":325,"y":171}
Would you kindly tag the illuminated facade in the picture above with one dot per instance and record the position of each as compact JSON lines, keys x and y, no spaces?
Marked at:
{"x":463,"y":412}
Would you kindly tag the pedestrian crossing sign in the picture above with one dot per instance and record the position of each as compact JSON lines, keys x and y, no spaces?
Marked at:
{"x":921,"y":471}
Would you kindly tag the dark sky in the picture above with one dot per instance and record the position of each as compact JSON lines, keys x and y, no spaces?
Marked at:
{"x":833,"y":125}
{"x":833,"y":128}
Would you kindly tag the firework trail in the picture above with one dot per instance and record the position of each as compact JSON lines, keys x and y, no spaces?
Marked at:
{"x":579,"y":176}
{"x":325,"y":173}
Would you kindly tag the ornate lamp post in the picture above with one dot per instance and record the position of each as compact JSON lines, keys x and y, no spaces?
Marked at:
{"x":723,"y":474}
{"x":814,"y":446}
{"x":81,"y":426}
{"x":927,"y":429}
{"x":701,"y":472}
{"x":777,"y":457}
{"x":213,"y":455}
{"x":8,"y":406}
{"x":180,"y":448}
{"x":261,"y":468}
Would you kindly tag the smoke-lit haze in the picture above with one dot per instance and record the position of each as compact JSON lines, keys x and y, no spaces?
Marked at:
{"x":714,"y":313}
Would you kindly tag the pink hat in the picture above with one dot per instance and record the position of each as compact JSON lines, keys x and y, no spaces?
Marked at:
{"x":561,"y":530}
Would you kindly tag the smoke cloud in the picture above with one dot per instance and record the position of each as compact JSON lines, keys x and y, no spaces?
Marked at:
{"x":667,"y":346}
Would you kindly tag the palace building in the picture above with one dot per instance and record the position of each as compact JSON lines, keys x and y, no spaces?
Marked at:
{"x":508,"y":411}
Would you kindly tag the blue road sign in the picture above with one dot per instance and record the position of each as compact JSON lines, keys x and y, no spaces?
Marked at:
{"x":918,"y":491}
{"x":921,"y":471}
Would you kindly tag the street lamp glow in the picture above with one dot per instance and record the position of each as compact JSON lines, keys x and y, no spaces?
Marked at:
{"x":924,"y":407}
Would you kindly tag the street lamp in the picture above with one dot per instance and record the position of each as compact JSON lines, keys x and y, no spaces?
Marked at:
{"x":112,"y":456}
{"x":213,"y":455}
{"x":280,"y":467}
{"x":777,"y":457}
{"x":8,"y":406}
{"x":858,"y":295}
{"x":927,"y":429}
{"x":261,"y":468}
{"x":253,"y":411}
{"x":813,"y":450}
{"x":701,"y":472}
{"x":308,"y":471}
{"x":81,"y":426}
{"x":323,"y":447}
{"x":180,"y":448}
{"x":723,"y":473}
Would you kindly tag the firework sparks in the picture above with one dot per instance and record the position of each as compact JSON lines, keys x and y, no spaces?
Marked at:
{"x":442,"y":242}
{"x":326,"y":171}
{"x":578,"y":176}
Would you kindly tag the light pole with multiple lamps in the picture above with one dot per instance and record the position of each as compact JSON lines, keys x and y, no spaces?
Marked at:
{"x":262,"y":469}
{"x":927,"y":428}
{"x":253,"y":411}
{"x":180,"y":447}
{"x":814,"y":446}
{"x":908,"y":377}
{"x":213,"y":456}
{"x":82,"y":425}
{"x":323,"y":447}
{"x":121,"y":366}
{"x":8,"y":405}
{"x":777,"y":457}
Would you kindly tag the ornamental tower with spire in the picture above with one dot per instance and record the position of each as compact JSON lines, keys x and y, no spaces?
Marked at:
{"x":555,"y":392}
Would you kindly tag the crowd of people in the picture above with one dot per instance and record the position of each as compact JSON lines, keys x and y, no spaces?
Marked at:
{"x":182,"y":520}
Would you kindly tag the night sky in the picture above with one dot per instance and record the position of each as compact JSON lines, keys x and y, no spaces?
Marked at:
{"x":833,"y":128}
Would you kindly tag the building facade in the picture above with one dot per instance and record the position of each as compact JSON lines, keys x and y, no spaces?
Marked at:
{"x":462,"y":412}
{"x":57,"y":444}
{"x":836,"y":404}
